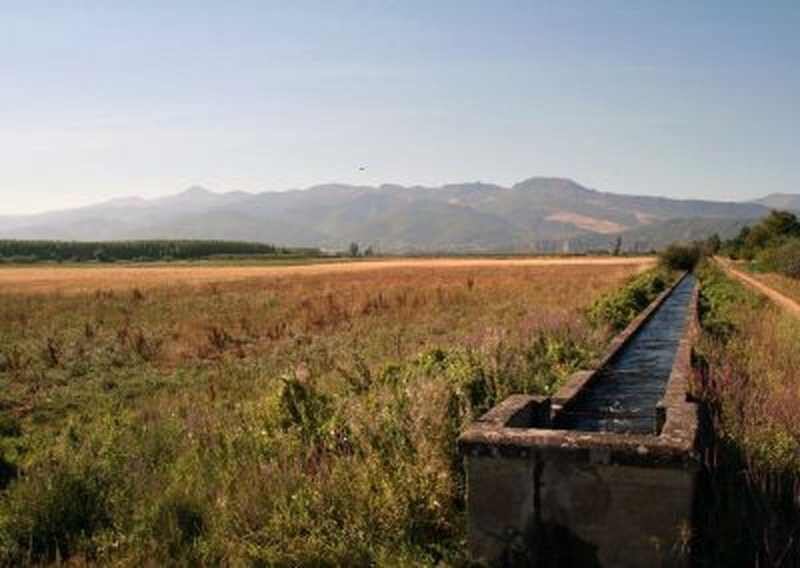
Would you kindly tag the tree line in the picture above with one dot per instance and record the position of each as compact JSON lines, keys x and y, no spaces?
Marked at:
{"x":145,"y":250}
{"x":772,"y":244}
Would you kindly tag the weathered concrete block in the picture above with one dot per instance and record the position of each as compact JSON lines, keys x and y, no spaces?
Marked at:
{"x":626,"y":516}
{"x":501,"y":503}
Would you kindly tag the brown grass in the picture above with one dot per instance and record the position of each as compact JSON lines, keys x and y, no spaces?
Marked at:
{"x":422,"y":303}
{"x":43,"y":279}
{"x":789,"y":287}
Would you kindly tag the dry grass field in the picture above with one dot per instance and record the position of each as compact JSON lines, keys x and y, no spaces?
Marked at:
{"x":29,"y":279}
{"x":276,"y":416}
{"x":789,"y":287}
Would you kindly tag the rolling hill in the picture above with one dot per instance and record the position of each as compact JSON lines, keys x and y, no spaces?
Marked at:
{"x":537,"y":214}
{"x":789,"y":201}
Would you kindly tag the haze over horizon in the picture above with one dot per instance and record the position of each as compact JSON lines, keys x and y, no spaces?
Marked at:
{"x":678,"y":99}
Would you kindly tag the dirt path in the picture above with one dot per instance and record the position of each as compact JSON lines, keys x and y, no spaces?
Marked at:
{"x":32,"y":279}
{"x":783,"y":301}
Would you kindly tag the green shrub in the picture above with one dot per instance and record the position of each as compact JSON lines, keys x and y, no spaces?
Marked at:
{"x":9,"y":426}
{"x":306,"y":410}
{"x":52,"y":515}
{"x":178,"y":524}
{"x":680,"y":257}
{"x":8,"y":471}
{"x":784,"y":258}
{"x":769,"y":233}
{"x":618,"y":308}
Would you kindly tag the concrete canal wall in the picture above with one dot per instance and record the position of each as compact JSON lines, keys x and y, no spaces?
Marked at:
{"x":539,"y":495}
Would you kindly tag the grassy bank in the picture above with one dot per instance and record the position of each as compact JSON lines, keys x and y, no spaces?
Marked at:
{"x":748,"y":366}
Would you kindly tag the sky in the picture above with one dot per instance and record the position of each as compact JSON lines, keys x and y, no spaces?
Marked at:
{"x":677,"y":98}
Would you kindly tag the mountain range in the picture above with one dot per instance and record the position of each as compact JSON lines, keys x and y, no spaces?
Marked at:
{"x":538,"y":214}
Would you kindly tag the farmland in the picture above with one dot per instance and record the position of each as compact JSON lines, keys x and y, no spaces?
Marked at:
{"x":273,"y":415}
{"x":81,"y":279}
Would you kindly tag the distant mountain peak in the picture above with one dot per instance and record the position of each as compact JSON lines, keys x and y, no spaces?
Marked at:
{"x":551,"y":183}
{"x":196,"y":191}
{"x":472,"y":186}
{"x":780,"y":201}
{"x":133,"y":201}
{"x":553,"y":180}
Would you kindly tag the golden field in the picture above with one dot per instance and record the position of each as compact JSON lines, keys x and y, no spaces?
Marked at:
{"x":301,"y":415}
{"x":38,"y":278}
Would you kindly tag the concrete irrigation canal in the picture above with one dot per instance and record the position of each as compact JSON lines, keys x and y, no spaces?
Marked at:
{"x":604,"y":472}
{"x":624,"y":396}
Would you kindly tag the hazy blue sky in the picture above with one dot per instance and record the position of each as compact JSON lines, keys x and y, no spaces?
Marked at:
{"x":103,"y":99}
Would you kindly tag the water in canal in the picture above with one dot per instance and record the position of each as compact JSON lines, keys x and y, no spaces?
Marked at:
{"x":623,"y":397}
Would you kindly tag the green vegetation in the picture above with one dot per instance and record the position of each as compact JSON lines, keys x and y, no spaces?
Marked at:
{"x":73,"y":251}
{"x":618,"y":308}
{"x":748,"y":361}
{"x":773,"y":245}
{"x":303,"y":421}
{"x":682,"y":257}
{"x":783,"y":258}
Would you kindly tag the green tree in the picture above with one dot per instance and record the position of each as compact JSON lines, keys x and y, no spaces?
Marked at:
{"x":618,"y":246}
{"x":713,"y":244}
{"x":777,"y":226}
{"x":100,"y":255}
